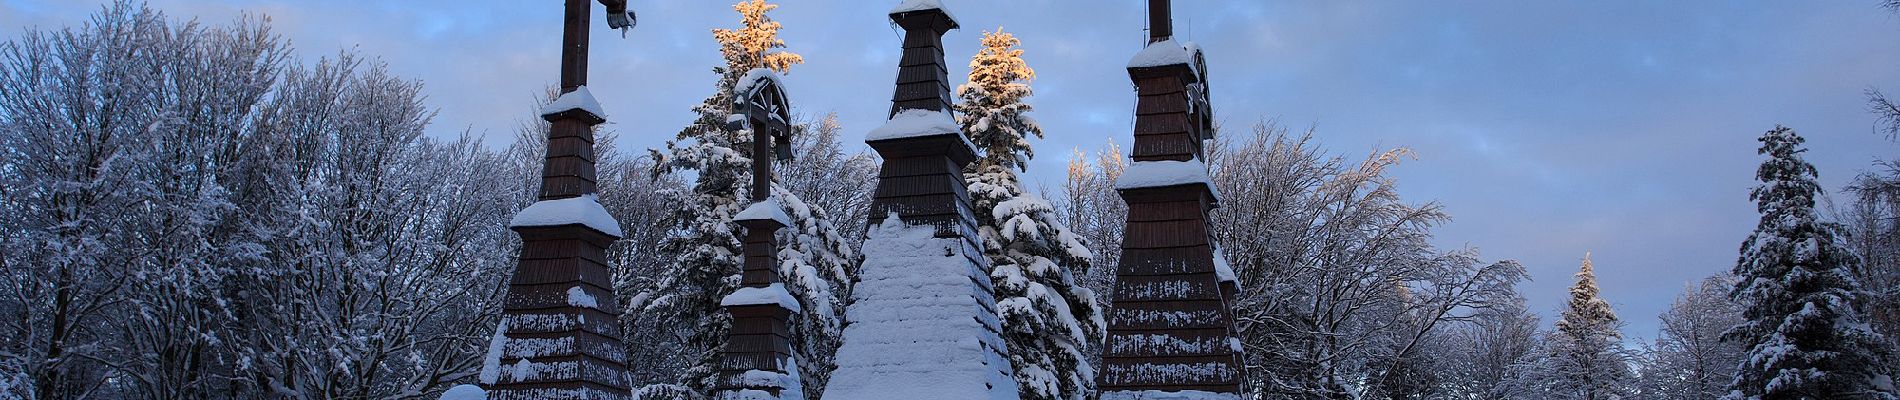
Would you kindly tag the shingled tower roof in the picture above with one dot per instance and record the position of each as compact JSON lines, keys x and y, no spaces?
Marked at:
{"x":757,"y":362}
{"x":1170,"y":334}
{"x":923,"y":319}
{"x":558,"y":338}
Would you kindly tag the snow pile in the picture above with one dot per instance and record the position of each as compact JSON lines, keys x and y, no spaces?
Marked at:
{"x":769,"y":209}
{"x":579,"y":298}
{"x":580,"y":98}
{"x":1167,"y":395}
{"x":752,"y":296}
{"x":1222,"y":269}
{"x":1148,"y":174}
{"x":1164,"y":53}
{"x":584,"y":210}
{"x":914,"y":122}
{"x":920,"y":328}
{"x":747,"y":394}
{"x":465,"y":392}
{"x":743,"y":89}
{"x":923,"y":5}
{"x":491,"y":362}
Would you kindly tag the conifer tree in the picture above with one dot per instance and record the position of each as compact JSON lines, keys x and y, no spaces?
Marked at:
{"x":1804,"y":335}
{"x":1590,"y":342}
{"x":1583,"y":358}
{"x":1048,"y":319}
{"x":705,"y":249}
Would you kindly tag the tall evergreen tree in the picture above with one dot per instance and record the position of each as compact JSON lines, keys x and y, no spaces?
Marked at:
{"x":1592,"y":344}
{"x":1804,"y":334}
{"x":1583,"y":358}
{"x":1048,"y":319}
{"x":705,"y":250}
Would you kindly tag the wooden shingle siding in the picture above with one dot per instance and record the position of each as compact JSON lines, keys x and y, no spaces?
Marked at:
{"x":1171,"y":328}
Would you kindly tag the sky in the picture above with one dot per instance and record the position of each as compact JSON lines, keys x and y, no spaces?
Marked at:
{"x":1548,"y":129}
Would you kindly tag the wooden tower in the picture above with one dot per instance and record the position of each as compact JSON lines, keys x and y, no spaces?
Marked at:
{"x":1170,"y":334}
{"x":558,"y":337}
{"x":923,"y":319}
{"x":758,"y":362}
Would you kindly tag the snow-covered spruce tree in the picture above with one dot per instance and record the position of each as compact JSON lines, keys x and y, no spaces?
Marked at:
{"x":1047,"y":318}
{"x":1690,"y":361}
{"x":1803,"y":331}
{"x":1583,"y":358}
{"x":705,"y":250}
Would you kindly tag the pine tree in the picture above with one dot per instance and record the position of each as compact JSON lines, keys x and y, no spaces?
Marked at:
{"x":1048,"y":319}
{"x":1805,"y":337}
{"x":705,"y":250}
{"x":1583,"y":358}
{"x":1592,"y":345}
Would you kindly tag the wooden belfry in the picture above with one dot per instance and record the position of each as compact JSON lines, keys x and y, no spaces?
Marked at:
{"x":923,"y":319}
{"x":1171,"y":330}
{"x":558,"y":337}
{"x":758,"y":362}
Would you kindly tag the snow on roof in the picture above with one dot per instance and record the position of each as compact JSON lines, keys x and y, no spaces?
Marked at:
{"x":921,"y":5}
{"x":579,"y":98}
{"x":584,"y":210}
{"x":751,"y":80}
{"x":920,"y":328}
{"x":769,"y":209}
{"x":1223,"y":270}
{"x":915,"y":122}
{"x":491,"y":362}
{"x":465,"y":392}
{"x":580,"y":298}
{"x":1167,"y":395}
{"x":1147,"y":174}
{"x":1162,"y":53}
{"x":752,"y":296}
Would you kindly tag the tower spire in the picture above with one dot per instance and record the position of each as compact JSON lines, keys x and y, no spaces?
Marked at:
{"x":1171,"y":332}
{"x":1160,"y":21}
{"x":923,"y":319}
{"x":758,"y":361}
{"x":558,"y":338}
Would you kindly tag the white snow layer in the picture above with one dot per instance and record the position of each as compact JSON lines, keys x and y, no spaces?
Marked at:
{"x":1147,"y":174}
{"x":579,"y":298}
{"x":918,"y":123}
{"x":465,"y":392}
{"x":751,"y":296}
{"x":1167,"y":395}
{"x":1166,"y":52}
{"x":921,"y":5}
{"x":1224,"y":270}
{"x":491,"y":362}
{"x":579,"y":98}
{"x":919,"y":329}
{"x":764,"y":210}
{"x":751,"y":80}
{"x":584,"y":210}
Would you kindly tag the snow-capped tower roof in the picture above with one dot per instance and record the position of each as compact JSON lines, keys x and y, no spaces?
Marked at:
{"x":923,"y":320}
{"x":920,"y":7}
{"x":1170,"y":334}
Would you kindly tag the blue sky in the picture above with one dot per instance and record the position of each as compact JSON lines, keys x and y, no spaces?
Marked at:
{"x":1547,"y":129}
